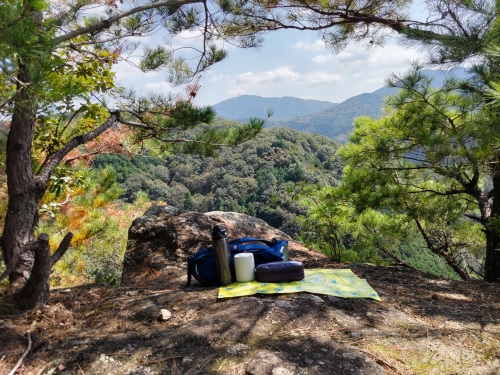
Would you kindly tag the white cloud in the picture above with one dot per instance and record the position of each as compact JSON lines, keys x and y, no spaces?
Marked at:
{"x":280,"y":74}
{"x":320,"y":78}
{"x":322,"y":59}
{"x":214,"y":78}
{"x":317,"y":45}
{"x":159,"y":87}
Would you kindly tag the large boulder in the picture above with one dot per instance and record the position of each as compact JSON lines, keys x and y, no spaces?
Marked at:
{"x":160,"y":241}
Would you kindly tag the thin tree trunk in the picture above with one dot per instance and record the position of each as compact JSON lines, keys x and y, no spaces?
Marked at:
{"x":442,"y":252}
{"x":492,"y":261}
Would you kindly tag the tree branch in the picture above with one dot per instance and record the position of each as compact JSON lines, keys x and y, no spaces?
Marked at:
{"x":439,"y":250}
{"x":54,"y":161}
{"x":136,"y":124}
{"x":473,"y":217}
{"x":107,"y":23}
{"x":61,"y":250}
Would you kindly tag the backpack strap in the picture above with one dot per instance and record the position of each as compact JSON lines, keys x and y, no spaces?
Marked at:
{"x":239,"y":241}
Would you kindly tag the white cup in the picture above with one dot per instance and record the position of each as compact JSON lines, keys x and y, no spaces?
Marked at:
{"x":244,"y":266}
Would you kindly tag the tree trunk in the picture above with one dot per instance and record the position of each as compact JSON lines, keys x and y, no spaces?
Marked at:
{"x":36,"y":292}
{"x":492,"y":230}
{"x":24,"y":193}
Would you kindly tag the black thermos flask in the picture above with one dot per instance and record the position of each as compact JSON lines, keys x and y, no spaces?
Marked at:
{"x":220,"y":243}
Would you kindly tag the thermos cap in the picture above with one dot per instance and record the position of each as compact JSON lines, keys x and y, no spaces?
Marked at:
{"x":219,"y":232}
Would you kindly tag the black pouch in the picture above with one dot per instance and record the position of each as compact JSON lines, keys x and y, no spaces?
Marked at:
{"x":276,"y":272}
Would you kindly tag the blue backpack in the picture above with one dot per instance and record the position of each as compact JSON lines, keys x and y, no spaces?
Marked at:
{"x":202,"y":266}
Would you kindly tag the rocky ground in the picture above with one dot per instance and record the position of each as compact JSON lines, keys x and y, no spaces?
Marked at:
{"x":424,"y":325}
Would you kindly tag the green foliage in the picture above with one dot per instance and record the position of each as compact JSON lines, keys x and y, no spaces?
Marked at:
{"x":325,"y":225}
{"x":63,"y":73}
{"x":424,"y":162}
{"x":416,"y":253}
{"x":88,"y":208}
{"x":261,"y":177}
{"x":125,"y":166}
{"x":333,"y":226}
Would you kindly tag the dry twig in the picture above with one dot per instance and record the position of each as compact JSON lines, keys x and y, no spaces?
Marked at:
{"x":380,"y":361}
{"x":20,"y":362}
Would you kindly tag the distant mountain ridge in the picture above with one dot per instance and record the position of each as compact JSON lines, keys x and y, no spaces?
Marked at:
{"x":242,"y":107}
{"x":314,"y":116}
{"x":337,"y":122}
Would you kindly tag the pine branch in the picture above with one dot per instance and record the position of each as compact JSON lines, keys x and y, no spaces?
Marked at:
{"x":107,"y":23}
{"x":43,"y":177}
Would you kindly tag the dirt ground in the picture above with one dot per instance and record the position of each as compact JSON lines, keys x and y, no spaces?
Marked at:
{"x":423,"y":325}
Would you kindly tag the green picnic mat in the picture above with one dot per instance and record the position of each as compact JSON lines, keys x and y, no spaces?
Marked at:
{"x":333,"y":282}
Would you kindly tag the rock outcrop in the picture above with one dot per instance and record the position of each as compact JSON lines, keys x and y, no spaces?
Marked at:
{"x":164,"y":236}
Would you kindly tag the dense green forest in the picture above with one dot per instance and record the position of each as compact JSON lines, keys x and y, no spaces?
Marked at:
{"x":275,"y":177}
{"x":261,"y":177}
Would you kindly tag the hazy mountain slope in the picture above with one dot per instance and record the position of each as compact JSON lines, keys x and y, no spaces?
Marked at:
{"x":332,"y":120}
{"x":242,"y":107}
{"x":336,"y":122}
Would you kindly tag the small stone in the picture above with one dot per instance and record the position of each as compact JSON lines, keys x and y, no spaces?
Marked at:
{"x":284,"y":304}
{"x":164,"y":315}
{"x":61,"y":367}
{"x":313,"y":298}
{"x":187,"y":359}
{"x":237,"y":349}
{"x":270,"y":358}
{"x":333,"y":299}
{"x":262,"y":363}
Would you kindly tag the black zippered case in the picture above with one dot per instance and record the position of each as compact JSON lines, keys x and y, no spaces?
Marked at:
{"x":277,"y":272}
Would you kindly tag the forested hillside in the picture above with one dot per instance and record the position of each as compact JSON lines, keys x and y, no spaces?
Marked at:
{"x":260,"y":177}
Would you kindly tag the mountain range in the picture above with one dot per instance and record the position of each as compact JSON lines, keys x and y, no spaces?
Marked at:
{"x":334,"y":120}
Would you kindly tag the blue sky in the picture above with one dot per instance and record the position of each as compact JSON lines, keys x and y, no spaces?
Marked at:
{"x":290,"y":63}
